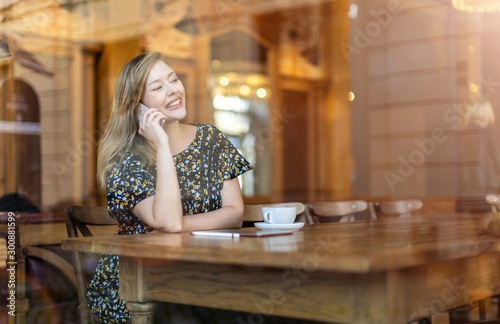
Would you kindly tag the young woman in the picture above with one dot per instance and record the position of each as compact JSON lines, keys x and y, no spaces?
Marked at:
{"x":160,"y":174}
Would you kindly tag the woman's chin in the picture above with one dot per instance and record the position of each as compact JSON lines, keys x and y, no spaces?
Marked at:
{"x":176,"y":115}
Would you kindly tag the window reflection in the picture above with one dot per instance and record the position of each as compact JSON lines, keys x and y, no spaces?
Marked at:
{"x":240,"y":93}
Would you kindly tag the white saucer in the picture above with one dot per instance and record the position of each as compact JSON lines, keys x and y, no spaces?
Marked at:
{"x":267,"y":226}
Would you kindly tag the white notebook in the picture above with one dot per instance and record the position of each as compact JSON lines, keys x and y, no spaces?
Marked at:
{"x":243,"y":232}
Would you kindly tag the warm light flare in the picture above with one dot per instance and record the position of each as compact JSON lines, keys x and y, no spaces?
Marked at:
{"x":474,"y":88}
{"x":224,"y":81}
{"x":261,"y":93}
{"x":479,"y":6}
{"x":244,"y":90}
{"x":216,"y":64}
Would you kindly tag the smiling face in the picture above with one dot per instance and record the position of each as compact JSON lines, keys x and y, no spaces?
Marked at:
{"x":164,"y":91}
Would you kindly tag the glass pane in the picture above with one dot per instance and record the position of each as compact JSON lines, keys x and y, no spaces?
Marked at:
{"x":240,"y":98}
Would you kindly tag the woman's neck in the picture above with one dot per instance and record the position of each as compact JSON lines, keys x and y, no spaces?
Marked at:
{"x":180,"y":136}
{"x":173,"y":129}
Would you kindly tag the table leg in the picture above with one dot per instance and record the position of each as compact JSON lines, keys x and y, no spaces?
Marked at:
{"x":498,"y":305}
{"x":425,"y":320}
{"x":142,"y":313}
{"x":453,"y":316}
{"x":482,"y":309}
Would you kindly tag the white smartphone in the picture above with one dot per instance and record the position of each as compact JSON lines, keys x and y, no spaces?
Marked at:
{"x":142,"y":107}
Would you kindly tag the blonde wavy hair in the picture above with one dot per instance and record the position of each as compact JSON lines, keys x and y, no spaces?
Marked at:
{"x":121,"y":134}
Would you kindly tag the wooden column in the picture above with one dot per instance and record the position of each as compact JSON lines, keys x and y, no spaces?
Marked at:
{"x":76,"y":121}
{"x":90,"y":134}
{"x":336,"y":111}
{"x":274,"y":109}
{"x":203,"y":107}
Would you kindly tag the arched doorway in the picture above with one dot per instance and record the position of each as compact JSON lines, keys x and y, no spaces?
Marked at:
{"x":20,"y":140}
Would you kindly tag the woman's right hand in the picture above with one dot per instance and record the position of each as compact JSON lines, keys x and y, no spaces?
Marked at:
{"x":166,"y":213}
{"x":151,"y":127}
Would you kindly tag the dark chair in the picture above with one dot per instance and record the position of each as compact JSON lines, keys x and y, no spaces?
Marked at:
{"x":493,"y":200}
{"x":17,"y":202}
{"x":89,"y":221}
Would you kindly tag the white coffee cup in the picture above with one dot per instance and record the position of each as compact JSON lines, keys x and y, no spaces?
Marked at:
{"x":279,"y":215}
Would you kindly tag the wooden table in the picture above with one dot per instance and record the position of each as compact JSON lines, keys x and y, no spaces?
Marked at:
{"x":376,"y":271}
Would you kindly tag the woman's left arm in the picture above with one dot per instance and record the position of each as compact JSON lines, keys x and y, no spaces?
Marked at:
{"x":230,"y":215}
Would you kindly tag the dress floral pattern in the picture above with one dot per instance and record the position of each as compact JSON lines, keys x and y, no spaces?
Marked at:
{"x":201,"y":170}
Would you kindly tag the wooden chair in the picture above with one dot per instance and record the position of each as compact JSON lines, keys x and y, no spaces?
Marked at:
{"x":494,"y":201}
{"x":394,"y":208}
{"x":253,"y":212}
{"x":82,"y":219}
{"x":341,"y":211}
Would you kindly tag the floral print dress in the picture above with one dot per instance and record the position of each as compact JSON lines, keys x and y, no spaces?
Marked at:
{"x":201,"y":169}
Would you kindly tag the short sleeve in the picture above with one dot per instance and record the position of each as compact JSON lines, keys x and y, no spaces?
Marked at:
{"x":128,"y":183}
{"x":230,"y":163}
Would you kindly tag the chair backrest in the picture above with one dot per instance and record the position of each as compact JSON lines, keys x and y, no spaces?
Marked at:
{"x":494,"y":201}
{"x":395,"y":208}
{"x":253,"y":212}
{"x":81,"y":217}
{"x":78,"y":219}
{"x":334,"y":210}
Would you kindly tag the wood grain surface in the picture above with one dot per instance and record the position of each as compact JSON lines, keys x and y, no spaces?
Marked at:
{"x":376,"y":271}
{"x":359,"y":247}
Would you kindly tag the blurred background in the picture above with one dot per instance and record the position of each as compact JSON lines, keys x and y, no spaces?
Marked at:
{"x":327,"y":99}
